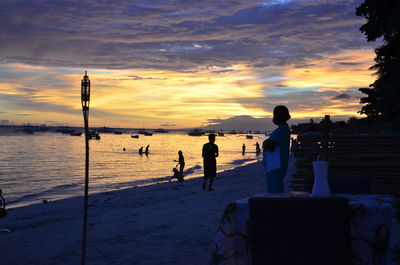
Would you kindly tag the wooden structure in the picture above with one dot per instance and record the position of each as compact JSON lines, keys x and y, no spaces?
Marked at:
{"x":370,"y":161}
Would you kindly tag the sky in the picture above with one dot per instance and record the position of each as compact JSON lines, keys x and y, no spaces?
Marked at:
{"x":180,"y":63}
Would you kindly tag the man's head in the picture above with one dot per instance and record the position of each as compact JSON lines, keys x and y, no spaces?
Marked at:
{"x":211,"y":138}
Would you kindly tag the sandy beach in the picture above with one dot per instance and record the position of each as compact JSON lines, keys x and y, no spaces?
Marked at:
{"x":165,"y":223}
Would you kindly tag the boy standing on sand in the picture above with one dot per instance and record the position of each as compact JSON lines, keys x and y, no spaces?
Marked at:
{"x":210,"y":153}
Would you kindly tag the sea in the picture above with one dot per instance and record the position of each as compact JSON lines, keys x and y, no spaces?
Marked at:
{"x":51,"y":166}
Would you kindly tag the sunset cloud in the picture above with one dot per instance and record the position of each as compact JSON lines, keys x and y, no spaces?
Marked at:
{"x":181,"y":63}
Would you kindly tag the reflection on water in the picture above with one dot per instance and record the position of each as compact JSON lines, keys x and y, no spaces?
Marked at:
{"x":51,"y":166}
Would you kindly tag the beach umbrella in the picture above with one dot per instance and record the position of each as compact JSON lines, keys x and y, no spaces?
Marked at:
{"x":85,"y":98}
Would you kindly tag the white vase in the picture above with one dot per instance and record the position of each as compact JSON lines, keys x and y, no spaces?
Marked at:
{"x":321,"y":185}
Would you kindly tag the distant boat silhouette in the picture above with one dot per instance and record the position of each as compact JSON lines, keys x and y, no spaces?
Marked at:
{"x":75,"y":133}
{"x":93,"y":135}
{"x":135,"y":136}
{"x":161,"y":131}
{"x":249,"y":136}
{"x":105,"y":129}
{"x":196,"y":132}
{"x":30,"y":129}
{"x":144,"y":132}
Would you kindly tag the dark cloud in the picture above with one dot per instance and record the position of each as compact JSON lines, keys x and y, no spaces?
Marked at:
{"x":342,"y":96}
{"x":27,"y":89}
{"x":176,"y":35}
{"x":348,"y":63}
{"x":302,"y":100}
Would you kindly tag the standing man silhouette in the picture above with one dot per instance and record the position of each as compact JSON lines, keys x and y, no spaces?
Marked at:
{"x":243,"y":149}
{"x":258,"y":150}
{"x":210,"y":153}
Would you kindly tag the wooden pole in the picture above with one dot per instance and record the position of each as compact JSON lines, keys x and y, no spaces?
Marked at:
{"x":86,"y":196}
{"x":85,"y":96}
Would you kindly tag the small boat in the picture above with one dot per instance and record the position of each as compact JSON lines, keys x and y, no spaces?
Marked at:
{"x":249,"y":136}
{"x":135,"y":136}
{"x":161,"y":131}
{"x":105,"y":129}
{"x":147,"y":134}
{"x":144,"y":132}
{"x":93,"y":135}
{"x":196,"y":132}
{"x":75,"y":133}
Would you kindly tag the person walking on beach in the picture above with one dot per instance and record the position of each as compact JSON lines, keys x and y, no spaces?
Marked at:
{"x":140,"y":150}
{"x":209,"y":154}
{"x":147,"y":151}
{"x":279,"y":139}
{"x":258,"y":150}
{"x":243,"y":149}
{"x":181,"y":162}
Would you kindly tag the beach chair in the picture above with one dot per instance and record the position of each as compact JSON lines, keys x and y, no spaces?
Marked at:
{"x":299,"y":231}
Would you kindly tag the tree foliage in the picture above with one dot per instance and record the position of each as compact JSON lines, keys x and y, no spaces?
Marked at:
{"x":383,"y":22}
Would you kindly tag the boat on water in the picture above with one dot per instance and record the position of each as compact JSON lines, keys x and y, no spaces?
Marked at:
{"x":30,"y":129}
{"x":93,"y":135}
{"x":75,"y":133}
{"x":249,"y":136}
{"x":148,"y":134}
{"x":105,"y":129}
{"x":135,"y":136}
{"x":143,"y":132}
{"x":161,"y":130}
{"x":196,"y":132}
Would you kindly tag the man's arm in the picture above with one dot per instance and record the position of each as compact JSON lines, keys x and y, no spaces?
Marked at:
{"x":269,"y":145}
{"x":216,"y":151}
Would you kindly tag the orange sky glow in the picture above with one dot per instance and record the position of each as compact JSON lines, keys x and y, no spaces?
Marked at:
{"x":153,"y":98}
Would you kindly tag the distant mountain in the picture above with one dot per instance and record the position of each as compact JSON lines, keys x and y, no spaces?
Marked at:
{"x":241,"y":123}
{"x":246,"y":123}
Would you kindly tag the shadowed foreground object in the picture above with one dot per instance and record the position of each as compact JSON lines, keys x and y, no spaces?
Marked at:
{"x":85,"y":98}
{"x":294,"y":231}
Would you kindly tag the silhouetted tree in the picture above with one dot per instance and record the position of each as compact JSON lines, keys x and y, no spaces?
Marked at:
{"x":383,"y":21}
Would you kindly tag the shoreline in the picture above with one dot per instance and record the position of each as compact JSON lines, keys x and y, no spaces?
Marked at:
{"x":20,"y":202}
{"x":165,"y":223}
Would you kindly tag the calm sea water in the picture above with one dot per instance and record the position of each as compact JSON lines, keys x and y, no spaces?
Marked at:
{"x":51,"y":165}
